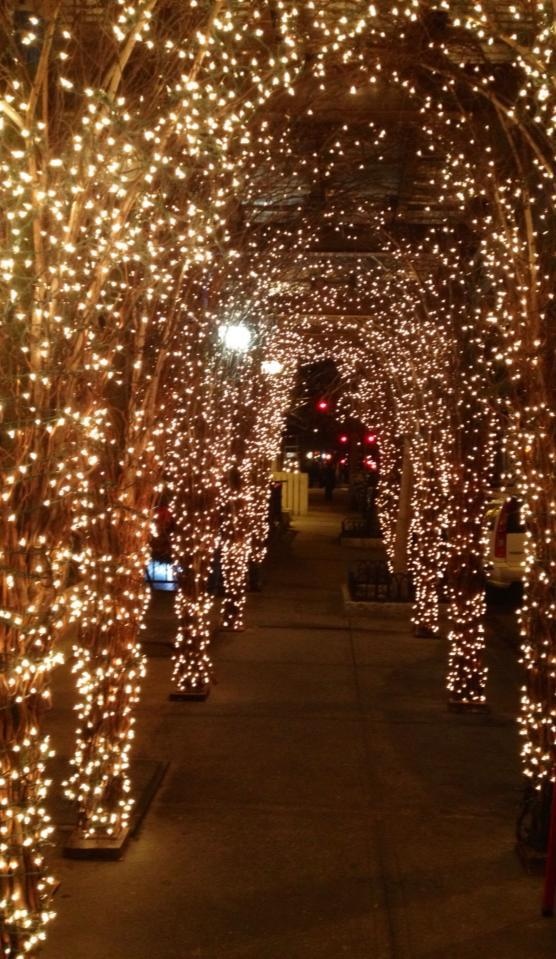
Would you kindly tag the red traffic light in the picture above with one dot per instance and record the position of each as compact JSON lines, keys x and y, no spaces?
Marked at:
{"x":322,"y":405}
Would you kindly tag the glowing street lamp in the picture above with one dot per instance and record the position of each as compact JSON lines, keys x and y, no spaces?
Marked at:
{"x":235,"y":337}
{"x":272,"y":367}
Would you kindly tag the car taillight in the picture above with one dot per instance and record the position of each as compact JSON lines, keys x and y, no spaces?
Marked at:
{"x":501,"y":532}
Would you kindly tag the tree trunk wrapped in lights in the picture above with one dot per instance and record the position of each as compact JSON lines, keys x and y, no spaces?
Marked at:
{"x":108,"y":660}
{"x":112,"y":518}
{"x":388,"y":491}
{"x":244,"y":532}
{"x":32,"y":615}
{"x":56,"y":354}
{"x":400,"y":548}
{"x":274,"y":392}
{"x":261,"y":478}
{"x":195,"y":479}
{"x":192,"y":670}
{"x":466,"y":611}
{"x":393,"y":495}
{"x":426,"y":547}
{"x":535,"y":448}
{"x":467,"y":672}
{"x":373,"y":402}
{"x":475,"y":430}
{"x":428,"y":425}
{"x":235,"y":551}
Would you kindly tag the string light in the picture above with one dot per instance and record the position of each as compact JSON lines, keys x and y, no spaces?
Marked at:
{"x":171,"y":184}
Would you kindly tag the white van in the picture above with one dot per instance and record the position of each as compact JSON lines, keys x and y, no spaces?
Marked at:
{"x":504,"y":541}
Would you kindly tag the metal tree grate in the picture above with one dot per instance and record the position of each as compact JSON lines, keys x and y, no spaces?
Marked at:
{"x":371,"y":581}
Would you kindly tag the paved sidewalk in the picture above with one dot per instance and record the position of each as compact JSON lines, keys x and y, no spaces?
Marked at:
{"x":321,"y":803}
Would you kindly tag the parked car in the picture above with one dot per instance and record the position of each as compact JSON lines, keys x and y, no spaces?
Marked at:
{"x":504,"y":541}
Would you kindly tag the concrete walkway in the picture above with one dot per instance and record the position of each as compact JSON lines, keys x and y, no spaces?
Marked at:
{"x":321,"y":803}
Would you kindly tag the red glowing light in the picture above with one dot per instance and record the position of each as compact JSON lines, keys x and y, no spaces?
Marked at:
{"x":343,"y":438}
{"x":370,"y":438}
{"x":322,"y":405}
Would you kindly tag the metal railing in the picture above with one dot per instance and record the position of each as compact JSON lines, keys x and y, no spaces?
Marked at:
{"x":371,"y":581}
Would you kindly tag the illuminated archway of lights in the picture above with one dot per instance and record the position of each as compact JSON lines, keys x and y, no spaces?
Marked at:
{"x":174,"y":180}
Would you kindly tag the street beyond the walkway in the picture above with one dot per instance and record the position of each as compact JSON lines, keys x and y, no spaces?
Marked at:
{"x":321,"y":803}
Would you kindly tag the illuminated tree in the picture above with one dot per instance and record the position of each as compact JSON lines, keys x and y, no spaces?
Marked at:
{"x":196,"y":450}
{"x":61,"y":223}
